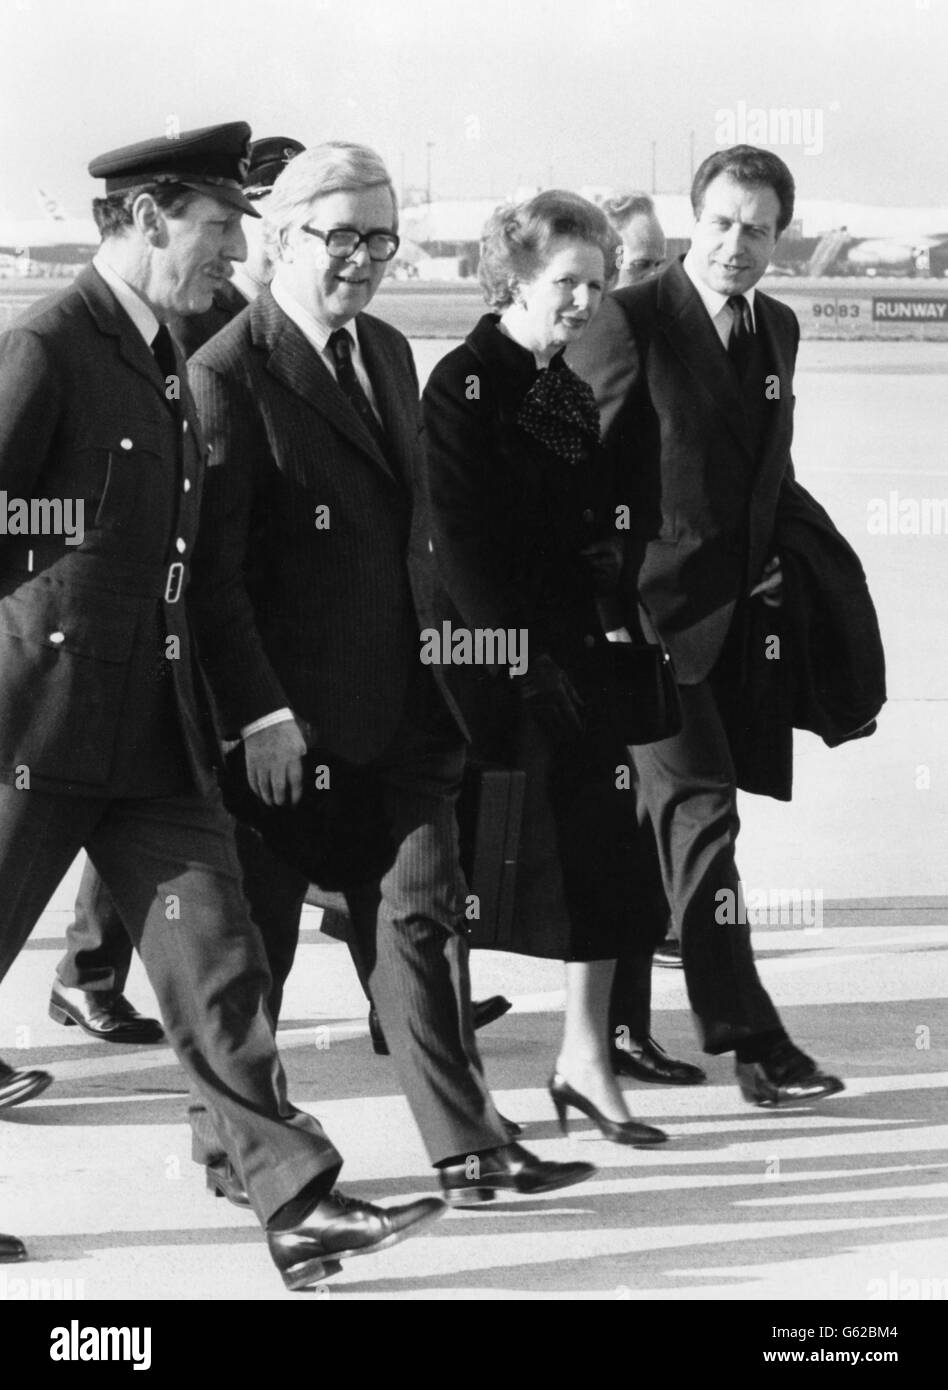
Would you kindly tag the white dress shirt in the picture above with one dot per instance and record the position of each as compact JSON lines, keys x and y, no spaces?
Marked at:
{"x":317,"y":335}
{"x":716,"y":304}
{"x":133,"y":304}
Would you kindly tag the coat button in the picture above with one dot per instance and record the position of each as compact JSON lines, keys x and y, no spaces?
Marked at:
{"x":181,"y":546}
{"x":589,"y":640}
{"x":185,"y":427}
{"x":187,"y":484}
{"x":589,"y":517}
{"x":57,"y":637}
{"x":125,"y":443}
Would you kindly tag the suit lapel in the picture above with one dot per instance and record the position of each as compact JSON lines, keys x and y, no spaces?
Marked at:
{"x":693,"y":337}
{"x":392,"y":388}
{"x":112,"y":319}
{"x":775,"y":448}
{"x":297,"y":364}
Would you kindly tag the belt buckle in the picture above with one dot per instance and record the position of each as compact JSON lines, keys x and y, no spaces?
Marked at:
{"x":174,"y":582}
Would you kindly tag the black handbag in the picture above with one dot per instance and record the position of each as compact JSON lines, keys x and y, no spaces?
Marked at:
{"x":643,"y":692}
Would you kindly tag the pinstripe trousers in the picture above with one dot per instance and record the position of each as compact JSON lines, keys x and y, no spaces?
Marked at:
{"x":408,"y":929}
{"x":410,"y":933}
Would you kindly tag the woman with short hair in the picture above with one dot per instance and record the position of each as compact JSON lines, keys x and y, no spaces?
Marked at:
{"x":525,"y":538}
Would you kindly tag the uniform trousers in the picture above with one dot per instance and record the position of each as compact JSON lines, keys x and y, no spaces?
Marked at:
{"x":170,"y":866}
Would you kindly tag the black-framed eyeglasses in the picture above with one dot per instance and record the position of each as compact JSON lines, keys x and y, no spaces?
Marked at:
{"x":343,"y":242}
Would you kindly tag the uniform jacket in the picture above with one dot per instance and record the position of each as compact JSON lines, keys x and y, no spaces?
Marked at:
{"x":314,"y":557}
{"x":83,"y":628}
{"x":672,"y":412}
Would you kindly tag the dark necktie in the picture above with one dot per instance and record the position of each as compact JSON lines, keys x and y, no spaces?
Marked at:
{"x":340,"y":345}
{"x":163,"y":348}
{"x":742,"y":333}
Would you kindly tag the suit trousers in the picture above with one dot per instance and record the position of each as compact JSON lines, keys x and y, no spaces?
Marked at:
{"x":407,"y":935}
{"x":170,"y":866}
{"x":409,"y":931}
{"x":689,"y":789}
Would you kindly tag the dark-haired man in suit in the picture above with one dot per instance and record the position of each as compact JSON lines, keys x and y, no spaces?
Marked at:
{"x":695,"y":382}
{"x":315,"y":570}
{"x":89,"y":989}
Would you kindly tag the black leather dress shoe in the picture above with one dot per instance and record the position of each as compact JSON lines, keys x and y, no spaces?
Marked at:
{"x":337,"y":1228}
{"x":11,"y":1249}
{"x":668,"y":954}
{"x":223,"y":1181}
{"x":106,"y":1015}
{"x":484,"y":1011}
{"x":511,"y":1169}
{"x":18,"y":1086}
{"x":646,"y":1061}
{"x":489,"y":1010}
{"x":786,"y":1076}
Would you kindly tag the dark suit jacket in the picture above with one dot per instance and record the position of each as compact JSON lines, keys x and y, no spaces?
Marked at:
{"x":194,"y":330}
{"x":323,"y":619}
{"x":83,"y":415}
{"x":673,"y":415}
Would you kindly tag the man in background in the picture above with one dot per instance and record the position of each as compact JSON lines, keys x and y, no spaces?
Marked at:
{"x":643,"y":240}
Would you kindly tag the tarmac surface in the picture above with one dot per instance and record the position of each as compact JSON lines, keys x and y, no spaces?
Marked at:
{"x":847,"y":1199}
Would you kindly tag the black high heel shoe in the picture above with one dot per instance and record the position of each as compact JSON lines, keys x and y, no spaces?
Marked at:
{"x":563,"y":1096}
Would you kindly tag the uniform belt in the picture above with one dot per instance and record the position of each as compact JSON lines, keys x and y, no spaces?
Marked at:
{"x":87,"y":569}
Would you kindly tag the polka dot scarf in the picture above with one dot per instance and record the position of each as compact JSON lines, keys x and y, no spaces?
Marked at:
{"x":560,"y":411}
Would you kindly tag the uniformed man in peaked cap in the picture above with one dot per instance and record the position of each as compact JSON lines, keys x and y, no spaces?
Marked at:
{"x":101,"y":740}
{"x":89,"y":987}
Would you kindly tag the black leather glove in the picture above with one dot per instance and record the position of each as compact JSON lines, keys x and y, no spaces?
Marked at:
{"x":604,"y":560}
{"x":552,"y":700}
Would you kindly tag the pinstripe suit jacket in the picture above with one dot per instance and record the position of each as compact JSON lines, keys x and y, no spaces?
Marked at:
{"x":313,"y":557}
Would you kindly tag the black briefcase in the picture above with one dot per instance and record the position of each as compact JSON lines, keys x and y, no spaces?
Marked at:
{"x":490,"y":810}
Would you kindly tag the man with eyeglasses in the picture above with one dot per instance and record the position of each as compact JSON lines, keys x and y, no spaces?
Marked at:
{"x":315,"y":573}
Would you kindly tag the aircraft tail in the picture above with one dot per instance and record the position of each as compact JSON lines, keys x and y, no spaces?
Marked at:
{"x":50,"y":206}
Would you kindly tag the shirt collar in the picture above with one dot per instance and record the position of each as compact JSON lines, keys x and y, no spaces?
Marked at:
{"x":313,"y":331}
{"x":133,"y":304}
{"x":710,"y":298}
